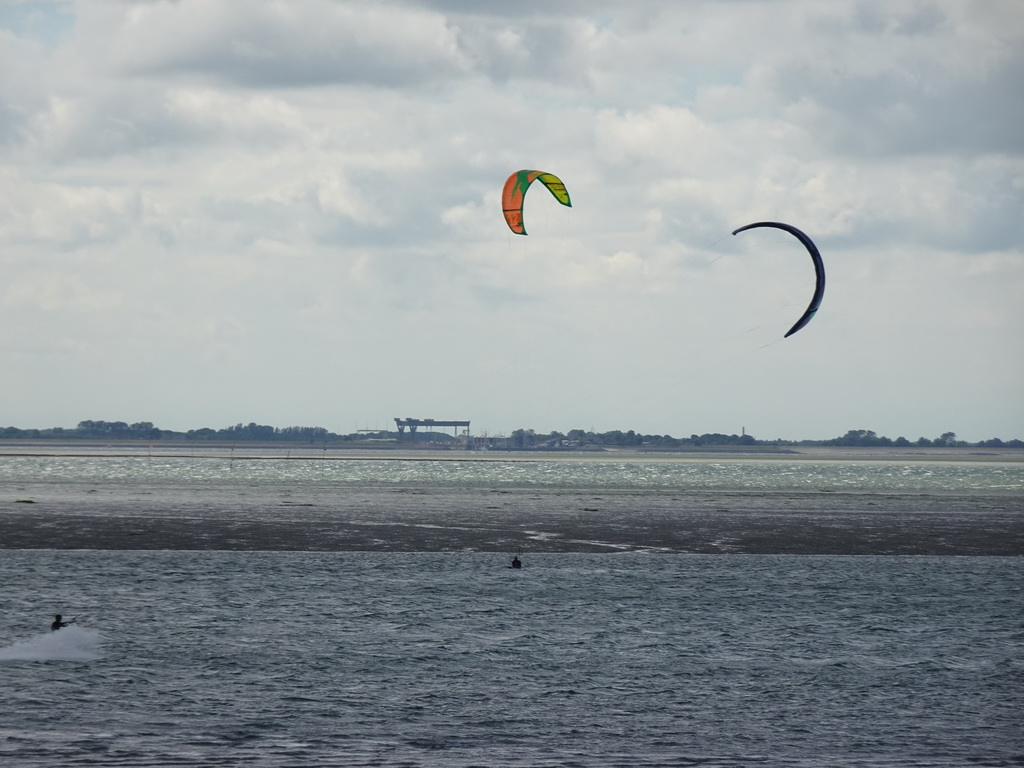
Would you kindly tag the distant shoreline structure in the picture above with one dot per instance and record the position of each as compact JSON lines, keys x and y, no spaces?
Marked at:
{"x":422,"y":434}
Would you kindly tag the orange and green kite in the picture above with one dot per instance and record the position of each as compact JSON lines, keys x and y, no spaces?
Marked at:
{"x":515,"y":191}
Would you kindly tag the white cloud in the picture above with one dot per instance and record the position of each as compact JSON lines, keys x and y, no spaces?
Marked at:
{"x":64,"y":215}
{"x":267,"y":45}
{"x":888,"y":90}
{"x":194,"y":195}
{"x":52,"y":291}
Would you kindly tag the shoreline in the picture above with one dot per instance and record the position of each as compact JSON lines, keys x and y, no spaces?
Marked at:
{"x":279,"y":451}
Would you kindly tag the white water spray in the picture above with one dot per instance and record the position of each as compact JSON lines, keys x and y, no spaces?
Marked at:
{"x":68,"y":644}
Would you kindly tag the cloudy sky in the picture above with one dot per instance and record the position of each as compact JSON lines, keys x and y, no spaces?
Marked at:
{"x":224,"y":211}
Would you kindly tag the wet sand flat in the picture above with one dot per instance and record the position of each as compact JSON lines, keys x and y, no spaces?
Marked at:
{"x":318,"y":517}
{"x":536,"y":520}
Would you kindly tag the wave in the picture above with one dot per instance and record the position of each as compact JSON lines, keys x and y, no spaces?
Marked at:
{"x":69,"y":644}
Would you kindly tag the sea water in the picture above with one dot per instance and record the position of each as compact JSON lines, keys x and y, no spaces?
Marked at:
{"x":451,"y":658}
{"x":486,"y":471}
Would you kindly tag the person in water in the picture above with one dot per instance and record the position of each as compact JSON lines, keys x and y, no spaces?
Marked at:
{"x":516,"y":563}
{"x":57,"y":623}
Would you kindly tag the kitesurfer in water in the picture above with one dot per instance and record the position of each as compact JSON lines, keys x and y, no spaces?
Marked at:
{"x":516,"y":562}
{"x":57,"y":623}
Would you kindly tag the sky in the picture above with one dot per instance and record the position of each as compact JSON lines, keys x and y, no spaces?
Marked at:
{"x":229,"y":211}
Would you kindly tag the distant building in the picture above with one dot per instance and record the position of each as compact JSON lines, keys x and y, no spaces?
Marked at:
{"x":429,"y":425}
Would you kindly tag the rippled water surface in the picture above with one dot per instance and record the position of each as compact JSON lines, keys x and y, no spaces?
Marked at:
{"x":774,"y":506}
{"x":615,"y":645}
{"x":313,"y":659}
{"x":770,"y":475}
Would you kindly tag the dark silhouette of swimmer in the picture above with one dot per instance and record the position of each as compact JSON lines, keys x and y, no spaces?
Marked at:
{"x":57,"y":623}
{"x":516,"y":563}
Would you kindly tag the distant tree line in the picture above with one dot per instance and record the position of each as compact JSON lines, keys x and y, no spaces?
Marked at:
{"x":144,"y":430}
{"x":867,"y":438}
{"x":520,"y":439}
{"x":525,"y":439}
{"x":266,"y":434}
